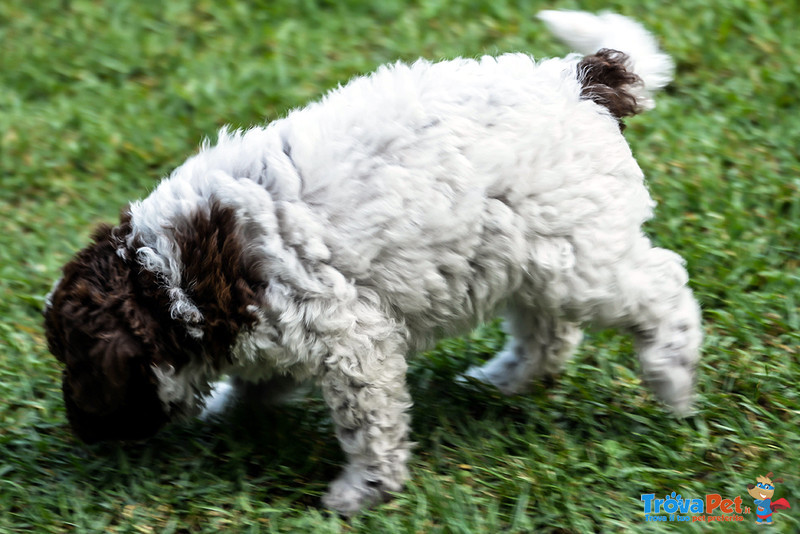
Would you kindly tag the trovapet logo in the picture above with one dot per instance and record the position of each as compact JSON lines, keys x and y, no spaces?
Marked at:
{"x":711,"y":508}
{"x":715,"y":507}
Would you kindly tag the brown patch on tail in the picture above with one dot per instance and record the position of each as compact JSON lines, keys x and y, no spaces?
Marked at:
{"x":605,"y":80}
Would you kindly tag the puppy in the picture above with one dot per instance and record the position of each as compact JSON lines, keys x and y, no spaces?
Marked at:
{"x":411,"y":203}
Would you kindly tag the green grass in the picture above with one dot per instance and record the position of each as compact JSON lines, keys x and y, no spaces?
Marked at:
{"x":99,"y":100}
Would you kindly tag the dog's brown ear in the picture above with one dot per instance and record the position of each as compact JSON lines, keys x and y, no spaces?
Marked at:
{"x":119,"y":352}
{"x":751,"y":486}
{"x":769,"y":475}
{"x":99,"y":383}
{"x":778,"y":481}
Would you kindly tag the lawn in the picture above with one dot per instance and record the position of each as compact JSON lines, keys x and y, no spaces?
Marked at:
{"x":98,"y":100}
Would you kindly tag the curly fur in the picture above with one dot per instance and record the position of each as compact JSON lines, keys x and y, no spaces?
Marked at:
{"x":606,"y":80}
{"x":414,"y":202}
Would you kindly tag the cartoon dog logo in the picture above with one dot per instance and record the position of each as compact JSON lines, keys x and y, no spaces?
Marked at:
{"x":762,"y":493}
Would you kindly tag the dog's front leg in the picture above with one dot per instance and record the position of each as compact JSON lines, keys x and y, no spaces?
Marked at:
{"x":366,"y":391}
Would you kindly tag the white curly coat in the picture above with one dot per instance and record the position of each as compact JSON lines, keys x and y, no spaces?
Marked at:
{"x":419,"y":201}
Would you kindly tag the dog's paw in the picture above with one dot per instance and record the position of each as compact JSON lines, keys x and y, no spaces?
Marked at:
{"x":502,"y":372}
{"x":352,"y":492}
{"x":670,"y":372}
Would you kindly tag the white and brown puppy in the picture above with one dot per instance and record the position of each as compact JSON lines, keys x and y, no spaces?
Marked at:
{"x":419,"y":200}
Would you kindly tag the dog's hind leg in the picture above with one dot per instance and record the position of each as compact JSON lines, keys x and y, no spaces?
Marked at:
{"x":648,"y":296}
{"x":364,"y":385}
{"x":669,"y":349}
{"x":538,"y":346}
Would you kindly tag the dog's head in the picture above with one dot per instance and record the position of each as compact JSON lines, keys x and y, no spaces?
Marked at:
{"x":132,"y":362}
{"x":103,"y":321}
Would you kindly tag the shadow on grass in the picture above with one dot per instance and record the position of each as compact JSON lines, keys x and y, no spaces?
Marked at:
{"x":289,"y":452}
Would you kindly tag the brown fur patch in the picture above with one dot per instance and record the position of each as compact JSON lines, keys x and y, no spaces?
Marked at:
{"x":605,"y":78}
{"x":109,"y":322}
{"x":217,"y":277}
{"x":109,"y":325}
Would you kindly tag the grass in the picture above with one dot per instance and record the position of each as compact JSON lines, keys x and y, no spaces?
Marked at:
{"x":99,"y":100}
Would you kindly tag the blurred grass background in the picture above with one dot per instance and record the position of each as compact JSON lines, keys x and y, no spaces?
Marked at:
{"x":98,"y":100}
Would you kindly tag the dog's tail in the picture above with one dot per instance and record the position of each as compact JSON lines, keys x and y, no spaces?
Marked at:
{"x":623,"y":66}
